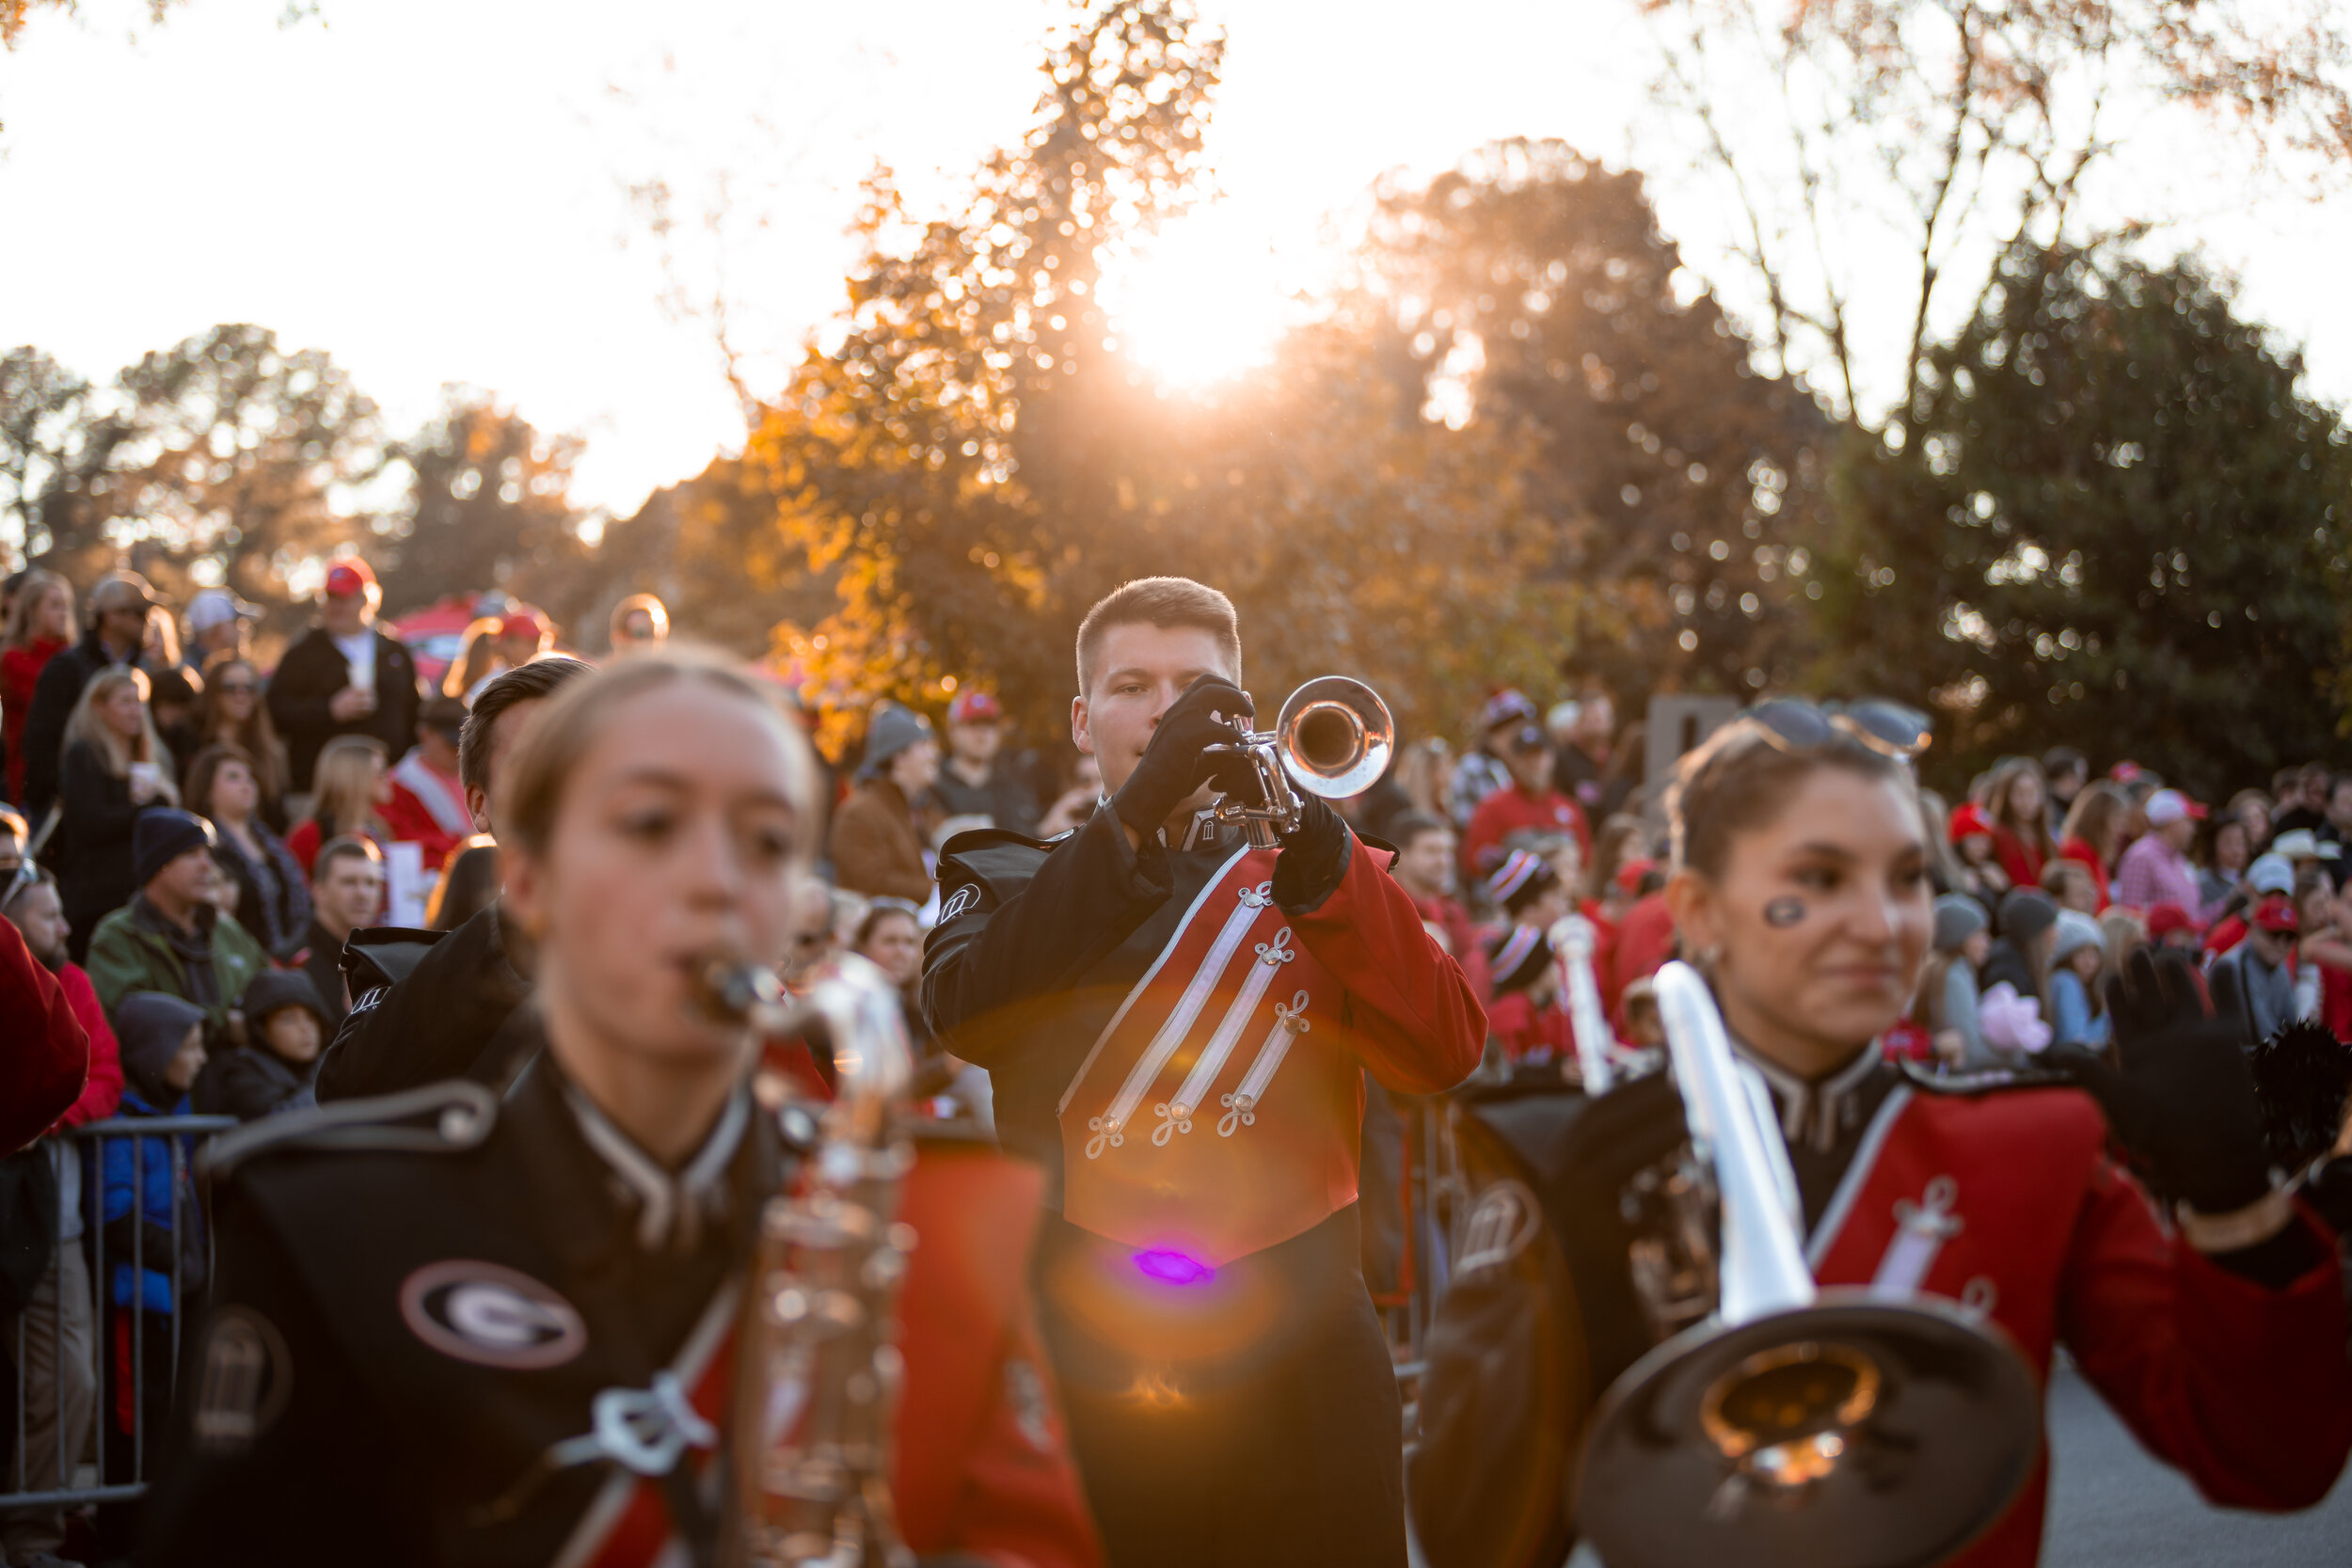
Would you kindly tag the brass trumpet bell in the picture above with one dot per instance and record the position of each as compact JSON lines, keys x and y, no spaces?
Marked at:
{"x":1850,"y":1434}
{"x":1336,"y":736}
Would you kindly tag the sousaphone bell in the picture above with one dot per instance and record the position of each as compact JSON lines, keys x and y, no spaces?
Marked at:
{"x":1799,"y":1428}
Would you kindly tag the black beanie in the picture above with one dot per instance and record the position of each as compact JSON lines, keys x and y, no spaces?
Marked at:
{"x":163,"y":835}
{"x":1519,"y":956}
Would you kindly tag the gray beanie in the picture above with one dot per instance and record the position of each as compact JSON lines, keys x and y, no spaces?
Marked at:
{"x":2075,"y":931}
{"x":893,"y":730}
{"x":2026,"y":913}
{"x":1957,"y":917}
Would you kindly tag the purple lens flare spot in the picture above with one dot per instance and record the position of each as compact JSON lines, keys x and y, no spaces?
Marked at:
{"x":1174,"y":1268}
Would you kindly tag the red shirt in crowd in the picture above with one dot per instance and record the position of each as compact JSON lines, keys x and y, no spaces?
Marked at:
{"x":1526,"y":1030}
{"x":1507,"y":811}
{"x":101,"y":1092}
{"x":1645,"y":941}
{"x":20,"y":669}
{"x":46,"y":1066}
{"x":1448,"y":925}
{"x":2020,"y":861}
{"x":427,"y":809}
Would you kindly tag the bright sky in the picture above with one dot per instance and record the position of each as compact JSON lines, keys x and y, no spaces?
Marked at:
{"x":433,"y":190}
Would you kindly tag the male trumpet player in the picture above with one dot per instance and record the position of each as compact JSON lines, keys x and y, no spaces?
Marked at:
{"x":1177,"y":1027}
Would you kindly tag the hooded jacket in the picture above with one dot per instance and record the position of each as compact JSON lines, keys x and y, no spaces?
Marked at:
{"x":149,"y":1211}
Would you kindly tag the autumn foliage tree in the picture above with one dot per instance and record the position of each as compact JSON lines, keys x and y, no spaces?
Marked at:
{"x":976,"y":457}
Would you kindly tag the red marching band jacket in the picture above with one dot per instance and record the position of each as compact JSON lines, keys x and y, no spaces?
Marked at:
{"x":2008,"y":1202}
{"x":980,"y":1465}
{"x":1218,"y":1114}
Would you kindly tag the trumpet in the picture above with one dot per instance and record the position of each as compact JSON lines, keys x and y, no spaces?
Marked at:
{"x":1799,"y":1426}
{"x":1333,"y":737}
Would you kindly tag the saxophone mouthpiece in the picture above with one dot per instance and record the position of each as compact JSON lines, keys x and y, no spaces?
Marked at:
{"x":730,"y":991}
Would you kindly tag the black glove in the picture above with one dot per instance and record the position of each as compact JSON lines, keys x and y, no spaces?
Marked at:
{"x":1620,"y":1135}
{"x":1314,"y":858}
{"x":2183,"y":1103}
{"x":1176,"y":762}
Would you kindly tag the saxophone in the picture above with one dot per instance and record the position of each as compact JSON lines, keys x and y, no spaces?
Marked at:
{"x":817,"y":1370}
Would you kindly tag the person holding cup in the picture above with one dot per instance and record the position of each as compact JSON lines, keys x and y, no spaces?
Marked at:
{"x":114,"y":769}
{"x":344,"y":676}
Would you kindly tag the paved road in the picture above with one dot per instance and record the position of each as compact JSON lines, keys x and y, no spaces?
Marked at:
{"x":2111,"y":1506}
{"x":2114,"y":1507}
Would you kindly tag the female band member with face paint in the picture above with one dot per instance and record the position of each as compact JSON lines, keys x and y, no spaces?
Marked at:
{"x":458,"y":1328}
{"x":1801,"y":891}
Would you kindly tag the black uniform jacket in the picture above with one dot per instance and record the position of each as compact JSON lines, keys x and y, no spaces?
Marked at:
{"x":453,"y":1007}
{"x":418,"y":1298}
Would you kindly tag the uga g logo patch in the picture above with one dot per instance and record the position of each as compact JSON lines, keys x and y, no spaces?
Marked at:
{"x":958,"y":901}
{"x":491,"y":1316}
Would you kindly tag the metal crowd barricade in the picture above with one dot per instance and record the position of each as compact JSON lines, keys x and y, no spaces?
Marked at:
{"x":113,"y":1481}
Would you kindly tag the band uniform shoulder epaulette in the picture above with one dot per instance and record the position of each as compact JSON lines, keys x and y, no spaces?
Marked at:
{"x":438,"y":1118}
{"x":1982,"y":1081}
{"x":996,"y":858}
{"x":980,"y":844}
{"x":382,"y":955}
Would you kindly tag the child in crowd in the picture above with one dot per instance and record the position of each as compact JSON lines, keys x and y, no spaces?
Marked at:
{"x":1526,"y":891}
{"x":1980,"y":874}
{"x":152,"y":1230}
{"x":2071,"y":886}
{"x":1525,"y":1018}
{"x":2171,"y":926}
{"x":2077,"y":957}
{"x":286,"y":1030}
{"x":1945,"y":1002}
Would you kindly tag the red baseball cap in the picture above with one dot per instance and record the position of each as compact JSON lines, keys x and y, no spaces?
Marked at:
{"x":522,"y":623}
{"x":974,"y":707}
{"x":2165,"y":919}
{"x":1969,"y":820}
{"x":347,"y":578}
{"x":1629,"y":874}
{"x":2277,"y":913}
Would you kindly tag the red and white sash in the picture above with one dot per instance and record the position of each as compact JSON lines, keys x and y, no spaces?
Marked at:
{"x":1168,"y":1139}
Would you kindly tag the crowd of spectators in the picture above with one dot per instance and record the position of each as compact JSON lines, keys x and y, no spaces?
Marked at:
{"x":189,"y":837}
{"x":203,"y":832}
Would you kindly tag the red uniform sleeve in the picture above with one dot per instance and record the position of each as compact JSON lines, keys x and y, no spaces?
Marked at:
{"x":2242,"y":1389}
{"x":44,"y":1051}
{"x":1418,"y":1023}
{"x":983,"y":1465}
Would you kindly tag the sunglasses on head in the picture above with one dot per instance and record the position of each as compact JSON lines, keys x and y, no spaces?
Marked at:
{"x":1889,"y":728}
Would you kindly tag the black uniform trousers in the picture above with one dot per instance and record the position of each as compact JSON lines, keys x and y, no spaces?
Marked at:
{"x":1252,"y":1418}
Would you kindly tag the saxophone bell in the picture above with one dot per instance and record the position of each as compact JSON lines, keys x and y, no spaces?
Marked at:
{"x":817,"y":1368}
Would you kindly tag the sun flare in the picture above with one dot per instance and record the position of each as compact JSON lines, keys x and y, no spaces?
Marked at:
{"x":1201,"y":301}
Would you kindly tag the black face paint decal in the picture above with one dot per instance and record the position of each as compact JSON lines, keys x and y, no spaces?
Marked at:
{"x":1784,"y":911}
